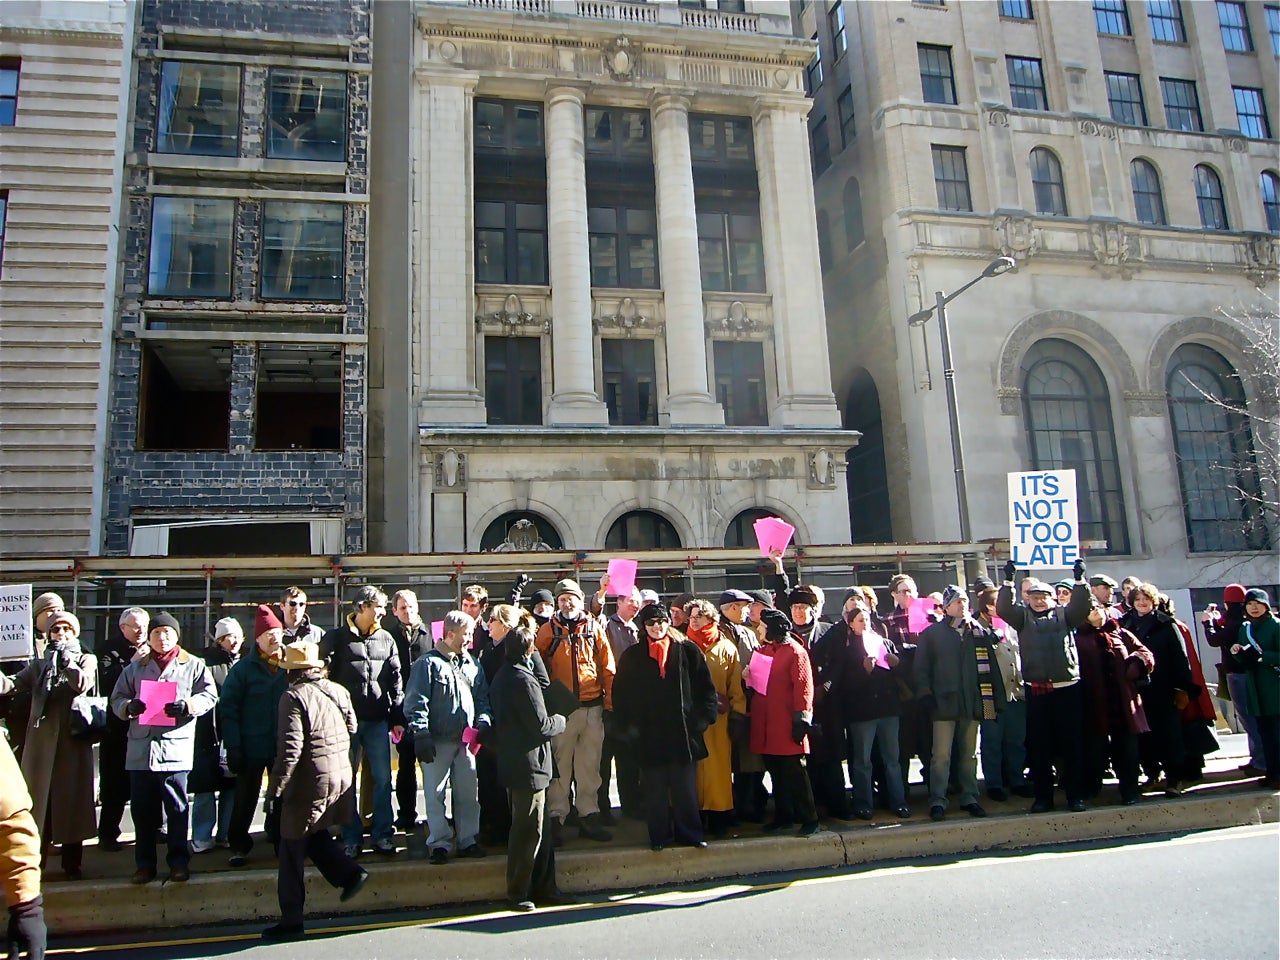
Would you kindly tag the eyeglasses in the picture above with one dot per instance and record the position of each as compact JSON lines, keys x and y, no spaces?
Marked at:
{"x":61,"y":628}
{"x":296,"y":603}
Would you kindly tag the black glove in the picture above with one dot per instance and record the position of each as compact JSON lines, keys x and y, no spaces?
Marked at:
{"x":800,"y":728}
{"x":235,"y":759}
{"x":722,"y":704}
{"x":27,"y":929}
{"x":179,"y":710}
{"x":522,"y":581}
{"x":1010,"y":570}
{"x":424,"y":748}
{"x":135,"y":708}
{"x":1078,"y":570}
{"x":739,"y":728}
{"x":485,"y":736}
{"x":929,"y":703}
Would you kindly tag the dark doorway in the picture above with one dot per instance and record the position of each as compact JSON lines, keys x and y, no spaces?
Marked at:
{"x":866,"y":476}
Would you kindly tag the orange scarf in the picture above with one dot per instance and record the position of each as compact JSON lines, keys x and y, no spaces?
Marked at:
{"x":658,"y":649}
{"x":704,"y":637}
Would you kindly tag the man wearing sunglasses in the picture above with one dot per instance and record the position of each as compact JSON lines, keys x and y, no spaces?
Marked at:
{"x":297,"y":625}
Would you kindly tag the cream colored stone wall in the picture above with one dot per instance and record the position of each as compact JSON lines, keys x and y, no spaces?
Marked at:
{"x":60,"y":164}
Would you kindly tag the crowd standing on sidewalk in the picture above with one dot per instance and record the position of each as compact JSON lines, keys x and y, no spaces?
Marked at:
{"x":518,"y":720}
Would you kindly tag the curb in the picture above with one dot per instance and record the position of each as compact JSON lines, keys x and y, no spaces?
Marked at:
{"x":250,"y":895}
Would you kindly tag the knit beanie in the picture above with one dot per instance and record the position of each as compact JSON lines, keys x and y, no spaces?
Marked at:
{"x":1258,"y":595}
{"x":46,"y":601}
{"x":1233,"y":593}
{"x":568,"y":586}
{"x":164,"y":619}
{"x":265,"y":620}
{"x":225,"y":626}
{"x":651,"y":612}
{"x":776,"y":623}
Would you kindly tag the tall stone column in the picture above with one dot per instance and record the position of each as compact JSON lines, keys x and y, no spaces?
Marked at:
{"x":792,"y":268}
{"x":574,"y":400}
{"x":444,"y":369}
{"x":689,"y":400}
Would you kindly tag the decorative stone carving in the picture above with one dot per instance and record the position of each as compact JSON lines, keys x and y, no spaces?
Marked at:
{"x":1263,"y":251}
{"x":1236,"y":144}
{"x":1015,"y":237}
{"x":781,"y":78}
{"x":737,"y":324}
{"x":822,"y":468}
{"x":1110,"y":243}
{"x":1098,"y":128}
{"x":513,"y":319}
{"x":626,"y":319}
{"x":621,"y":58}
{"x":451,"y":469}
{"x":522,"y":537}
{"x":1072,"y":326}
{"x":1139,"y":404}
{"x":998,"y":117}
{"x":448,"y":50}
{"x":1010,"y":401}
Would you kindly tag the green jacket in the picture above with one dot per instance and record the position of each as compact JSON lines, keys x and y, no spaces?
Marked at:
{"x":1262,"y":688}
{"x":249,"y":705}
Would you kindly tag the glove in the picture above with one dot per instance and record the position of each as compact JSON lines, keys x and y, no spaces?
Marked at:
{"x":235,"y":759}
{"x":27,"y":929}
{"x":424,"y":748}
{"x":1181,"y":699}
{"x":179,"y":710}
{"x":929,"y":704}
{"x":739,"y":728}
{"x":800,"y":728}
{"x":269,"y":806}
{"x":1010,"y":571}
{"x":486,"y":736}
{"x":722,"y":704}
{"x":1077,"y":572}
{"x":522,"y":581}
{"x":135,"y":708}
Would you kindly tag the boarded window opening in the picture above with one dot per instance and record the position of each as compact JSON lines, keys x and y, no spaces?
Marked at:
{"x":299,"y":398}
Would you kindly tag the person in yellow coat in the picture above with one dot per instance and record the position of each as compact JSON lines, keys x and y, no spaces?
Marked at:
{"x":714,"y":775}
{"x":20,"y":861}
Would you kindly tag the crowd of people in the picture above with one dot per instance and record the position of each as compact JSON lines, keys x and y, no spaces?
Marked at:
{"x":522,"y":722}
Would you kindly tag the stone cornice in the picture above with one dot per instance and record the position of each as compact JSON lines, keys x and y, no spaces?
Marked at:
{"x":85,"y":32}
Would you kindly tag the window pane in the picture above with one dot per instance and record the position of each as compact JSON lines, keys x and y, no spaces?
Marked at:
{"x":711,"y":256}
{"x":513,"y":380}
{"x":302,"y":251}
{"x":1124,"y":93}
{"x":1026,"y":83}
{"x":951,"y":178}
{"x":531,"y":249}
{"x":491,"y":260}
{"x":1148,"y":201}
{"x":599,"y":130}
{"x":604,"y":261}
{"x":1016,"y":9}
{"x":1046,"y":181}
{"x":1166,"y":21}
{"x":190,"y":247}
{"x":307,"y":115}
{"x":642,"y":262}
{"x":1181,"y":104}
{"x":1235,"y":27}
{"x":1270,"y":185}
{"x":737,"y":139}
{"x":629,"y":375}
{"x":199,"y":111}
{"x":528,"y":125}
{"x":740,"y":382}
{"x":1252,"y":113}
{"x":490,"y":123}
{"x":1111,"y":17}
{"x":936,"y":80}
{"x":1213,"y":210}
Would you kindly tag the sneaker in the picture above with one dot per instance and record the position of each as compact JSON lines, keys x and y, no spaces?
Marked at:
{"x":238,"y":860}
{"x":475,"y":852}
{"x":385,"y":846}
{"x":589,"y":827}
{"x":282,"y":932}
{"x":352,"y":850}
{"x":439,"y":856}
{"x":354,"y":885}
{"x":861,"y":815}
{"x":974,"y":810}
{"x":937,"y":813}
{"x":903,"y":811}
{"x":201,"y":846}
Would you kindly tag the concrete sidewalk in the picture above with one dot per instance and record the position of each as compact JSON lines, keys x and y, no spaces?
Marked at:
{"x":217,"y":893}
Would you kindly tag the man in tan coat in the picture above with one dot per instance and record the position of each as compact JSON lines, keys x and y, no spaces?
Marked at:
{"x":20,"y":861}
{"x":312,"y":784}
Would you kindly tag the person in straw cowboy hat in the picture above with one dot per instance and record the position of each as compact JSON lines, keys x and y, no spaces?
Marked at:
{"x":311,"y":783}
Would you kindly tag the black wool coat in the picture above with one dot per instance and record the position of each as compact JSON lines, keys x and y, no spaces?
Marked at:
{"x":662,"y":719}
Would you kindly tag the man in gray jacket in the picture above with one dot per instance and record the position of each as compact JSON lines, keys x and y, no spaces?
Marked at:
{"x":161,"y":753}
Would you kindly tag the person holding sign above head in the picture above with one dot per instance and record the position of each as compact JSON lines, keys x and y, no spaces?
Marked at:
{"x":161,"y":695}
{"x":1051,"y":675}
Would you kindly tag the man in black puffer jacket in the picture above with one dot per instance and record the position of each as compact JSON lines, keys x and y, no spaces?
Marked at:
{"x":363,"y":658}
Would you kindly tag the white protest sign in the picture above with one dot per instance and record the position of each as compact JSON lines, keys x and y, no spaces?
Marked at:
{"x":15,"y":622}
{"x":1044,"y":530}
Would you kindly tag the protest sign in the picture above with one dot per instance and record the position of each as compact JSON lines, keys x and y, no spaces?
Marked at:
{"x":771,"y":533}
{"x":1044,"y":530}
{"x":15,"y":622}
{"x":157,"y":694}
{"x":622,"y":576}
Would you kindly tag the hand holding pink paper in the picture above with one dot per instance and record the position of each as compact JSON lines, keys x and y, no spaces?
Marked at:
{"x":437,"y":629}
{"x":875,"y":648}
{"x":622,"y":576}
{"x":157,"y":694}
{"x":471,"y":737}
{"x":758,"y":671}
{"x":773,"y":533}
{"x":918,"y":614}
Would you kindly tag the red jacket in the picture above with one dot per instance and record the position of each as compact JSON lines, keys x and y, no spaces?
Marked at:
{"x":1200,"y":706}
{"x":790,"y":691}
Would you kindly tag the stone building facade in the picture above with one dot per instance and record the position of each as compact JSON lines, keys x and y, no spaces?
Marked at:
{"x":1123,"y":155}
{"x":239,"y":366}
{"x":63,"y":77}
{"x":617,"y":334}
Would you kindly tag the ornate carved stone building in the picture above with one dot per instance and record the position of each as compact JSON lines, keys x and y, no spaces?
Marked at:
{"x":1123,"y":154}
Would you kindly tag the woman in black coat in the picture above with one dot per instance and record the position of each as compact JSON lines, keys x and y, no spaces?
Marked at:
{"x":663,"y":701}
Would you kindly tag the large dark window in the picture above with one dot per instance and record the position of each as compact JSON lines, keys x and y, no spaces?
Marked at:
{"x":302,"y":251}
{"x":1181,"y":104}
{"x":622,"y":220}
{"x":4,"y":217}
{"x":190,"y":247}
{"x":184,"y":396}
{"x":1111,"y":17}
{"x":618,"y":133}
{"x":508,"y":125}
{"x":1026,"y":83}
{"x":630,"y":381}
{"x":722,"y":140}
{"x":835,"y":19}
{"x":1124,"y":94}
{"x":1273,"y":27}
{"x":624,"y":247}
{"x":1148,"y":198}
{"x":730,"y":251}
{"x":199,"y":109}
{"x":307,"y":115}
{"x":1165,"y":17}
{"x":726,"y":192}
{"x":510,"y":193}
{"x":951,"y":177}
{"x":642,"y":530}
{"x":851,"y":199}
{"x":1269,"y":184}
{"x":741,"y":531}
{"x":820,"y":142}
{"x":937,"y":81}
{"x":1214,"y":447}
{"x":513,"y":380}
{"x":740,"y":382}
{"x":813,"y":72}
{"x":844,"y":106}
{"x":1252,"y":113}
{"x":511,"y":242}
{"x":10,"y":68}
{"x":299,"y":402}
{"x":1209,"y":198}
{"x":1069,"y":427}
{"x":1046,"y":183}
{"x":1234,"y":23}
{"x":522,"y":532}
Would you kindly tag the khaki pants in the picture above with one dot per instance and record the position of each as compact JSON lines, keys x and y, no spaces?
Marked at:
{"x":577,"y":755}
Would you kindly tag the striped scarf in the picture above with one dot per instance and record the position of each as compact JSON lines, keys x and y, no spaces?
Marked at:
{"x":985,"y":686}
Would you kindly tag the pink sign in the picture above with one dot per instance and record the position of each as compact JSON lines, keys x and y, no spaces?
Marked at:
{"x":773,"y":533}
{"x":622,"y":576}
{"x":758,"y":671}
{"x":998,"y":623}
{"x":157,"y":694}
{"x":918,"y":614}
{"x":471,"y":737}
{"x":437,"y":629}
{"x":875,"y":648}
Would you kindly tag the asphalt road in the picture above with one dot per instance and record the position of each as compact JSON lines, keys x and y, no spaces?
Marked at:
{"x":1211,"y":894}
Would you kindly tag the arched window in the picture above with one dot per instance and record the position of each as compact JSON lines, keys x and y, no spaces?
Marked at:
{"x":866,"y":472}
{"x":741,"y":530}
{"x":824,"y":240}
{"x":642,"y":530}
{"x":1271,"y":199}
{"x":1067,"y":411}
{"x":1148,"y":201}
{"x":854,"y":233}
{"x":1046,"y":181}
{"x":1213,"y":210}
{"x":1214,"y":447}
{"x":520,"y":531}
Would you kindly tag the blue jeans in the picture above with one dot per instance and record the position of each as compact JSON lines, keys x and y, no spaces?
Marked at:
{"x":1236,"y":683}
{"x":863,"y":734}
{"x":455,"y":766}
{"x":210,"y":811}
{"x":373,"y":742}
{"x":1004,"y":747}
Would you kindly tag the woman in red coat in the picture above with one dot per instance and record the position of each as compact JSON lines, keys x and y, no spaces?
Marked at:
{"x":781,"y":718}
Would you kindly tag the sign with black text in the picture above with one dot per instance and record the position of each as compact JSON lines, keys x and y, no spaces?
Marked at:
{"x":15,"y":622}
{"x":1044,"y":528}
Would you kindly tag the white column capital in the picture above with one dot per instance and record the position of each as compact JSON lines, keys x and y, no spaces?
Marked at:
{"x":560,"y":90}
{"x":429,"y":75}
{"x":768,"y":106}
{"x":661,"y":100}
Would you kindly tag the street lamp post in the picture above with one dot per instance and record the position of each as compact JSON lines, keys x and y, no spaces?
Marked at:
{"x":993,"y":269}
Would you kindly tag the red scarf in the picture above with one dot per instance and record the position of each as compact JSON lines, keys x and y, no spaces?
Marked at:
{"x":704,"y":637}
{"x":162,"y":660}
{"x":658,"y":649}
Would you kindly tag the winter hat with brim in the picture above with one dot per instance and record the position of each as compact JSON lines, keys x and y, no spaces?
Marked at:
{"x":1257,"y":595}
{"x":46,"y":601}
{"x":568,"y":586}
{"x":164,"y":619}
{"x":1102,"y":580}
{"x":950,"y":594}
{"x":803,"y":594}
{"x":64,"y":616}
{"x":649,"y":596}
{"x":651,"y":612}
{"x":776,"y":623}
{"x":265,"y":620}
{"x":1063,"y":585}
{"x":761,"y":596}
{"x":1039,"y":586}
{"x":1233,"y":593}
{"x":301,"y":655}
